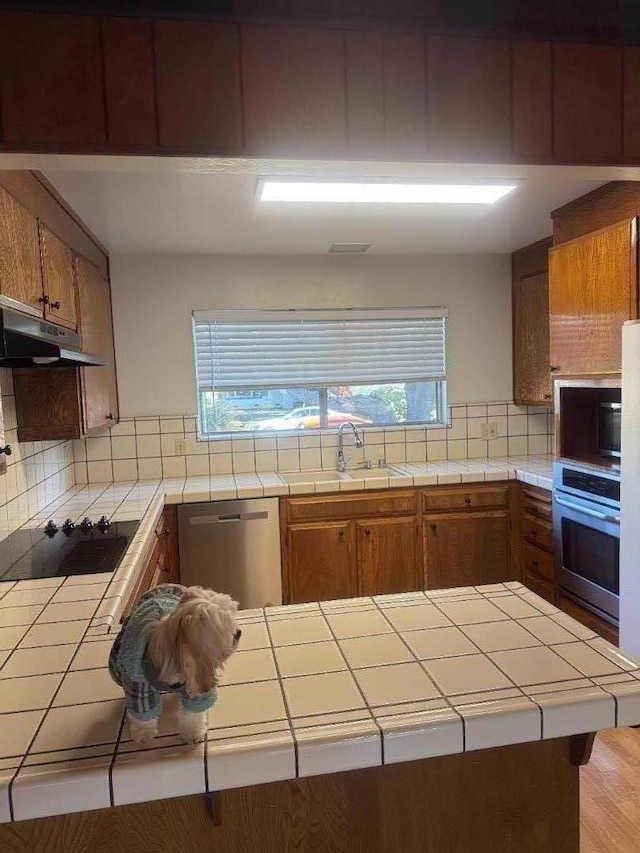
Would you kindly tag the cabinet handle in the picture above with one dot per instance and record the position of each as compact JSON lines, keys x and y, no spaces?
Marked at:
{"x":55,"y":306}
{"x":533,"y":533}
{"x":367,"y":532}
{"x":44,"y":299}
{"x":432,"y":527}
{"x":341,"y":535}
{"x":110,"y":417}
{"x":6,"y":450}
{"x":547,"y":396}
{"x":467,"y":500}
{"x":554,"y":368}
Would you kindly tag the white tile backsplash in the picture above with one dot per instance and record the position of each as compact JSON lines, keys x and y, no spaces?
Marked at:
{"x":145,"y":447}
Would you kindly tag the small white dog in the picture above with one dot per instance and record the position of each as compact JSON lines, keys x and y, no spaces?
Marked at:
{"x":174,"y":641}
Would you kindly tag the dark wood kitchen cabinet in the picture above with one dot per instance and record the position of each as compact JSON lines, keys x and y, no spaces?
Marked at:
{"x":536,"y":530}
{"x":468,"y":548}
{"x":467,"y":536}
{"x":20,"y":268}
{"x":351,"y":545}
{"x":99,"y":387}
{"x":593,"y":289}
{"x":69,"y":402}
{"x":58,"y":279}
{"x":530,"y":305}
{"x":51,"y":80}
{"x":321,"y":561}
{"x":387,"y":556}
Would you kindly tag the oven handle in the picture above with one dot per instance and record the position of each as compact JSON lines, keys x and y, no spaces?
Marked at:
{"x":586,"y":511}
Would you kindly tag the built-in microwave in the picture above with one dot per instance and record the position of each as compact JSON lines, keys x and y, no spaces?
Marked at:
{"x":609,"y":428}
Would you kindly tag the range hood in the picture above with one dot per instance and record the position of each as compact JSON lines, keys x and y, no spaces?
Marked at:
{"x":33,"y":342}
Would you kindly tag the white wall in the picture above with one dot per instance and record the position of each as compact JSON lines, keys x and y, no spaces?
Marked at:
{"x":153,"y":296}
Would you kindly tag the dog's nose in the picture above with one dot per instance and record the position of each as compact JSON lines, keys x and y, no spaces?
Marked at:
{"x":237,"y":635}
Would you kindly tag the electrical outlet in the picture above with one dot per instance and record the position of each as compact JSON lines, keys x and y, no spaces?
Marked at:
{"x":181,"y":446}
{"x":489,"y":431}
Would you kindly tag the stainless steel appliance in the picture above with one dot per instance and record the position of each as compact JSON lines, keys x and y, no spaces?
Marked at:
{"x":67,"y":548}
{"x":609,"y":429}
{"x":27,"y":341}
{"x":233,"y":547}
{"x":586,"y":526}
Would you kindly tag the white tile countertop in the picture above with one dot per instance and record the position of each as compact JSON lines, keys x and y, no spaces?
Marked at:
{"x":313,"y":688}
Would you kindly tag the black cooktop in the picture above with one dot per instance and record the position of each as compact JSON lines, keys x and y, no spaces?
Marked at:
{"x":66,"y":549}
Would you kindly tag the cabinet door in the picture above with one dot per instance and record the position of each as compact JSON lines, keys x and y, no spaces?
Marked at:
{"x":51,"y":88}
{"x":198,"y":86}
{"x":531,"y":376}
{"x":293,"y":88}
{"x":58,"y":279}
{"x":592,"y":291}
{"x":387,"y":556}
{"x":99,"y":389}
{"x":321,"y":561}
{"x":20,"y":271}
{"x":467,"y":549}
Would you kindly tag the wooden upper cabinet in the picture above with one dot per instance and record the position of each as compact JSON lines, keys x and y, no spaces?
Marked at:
{"x":198,"y":86}
{"x":51,"y":84}
{"x":631,"y":102}
{"x":20,"y":270}
{"x":99,"y":388}
{"x":469,"y":97}
{"x":321,"y":561}
{"x":530,"y":305}
{"x":129,"y":82}
{"x":467,"y":549}
{"x":387,"y":560}
{"x":593,"y":289}
{"x":58,"y":279}
{"x":532,"y":100}
{"x":587,"y":103}
{"x":293,"y":84}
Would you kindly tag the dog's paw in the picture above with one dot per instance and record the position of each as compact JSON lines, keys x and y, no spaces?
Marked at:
{"x":193,"y":727}
{"x":143,"y":731}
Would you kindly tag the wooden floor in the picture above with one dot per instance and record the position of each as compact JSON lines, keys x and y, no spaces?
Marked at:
{"x":610,"y":794}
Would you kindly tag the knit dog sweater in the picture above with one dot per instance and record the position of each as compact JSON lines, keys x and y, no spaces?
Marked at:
{"x":130,"y":666}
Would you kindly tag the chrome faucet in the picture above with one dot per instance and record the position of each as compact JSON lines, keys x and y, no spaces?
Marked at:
{"x":341,"y":462}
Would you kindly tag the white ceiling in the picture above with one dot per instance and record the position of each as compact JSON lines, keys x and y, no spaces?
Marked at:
{"x":154,"y":205}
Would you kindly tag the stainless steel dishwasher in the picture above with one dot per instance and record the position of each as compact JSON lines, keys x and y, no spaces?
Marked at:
{"x":233,"y":547}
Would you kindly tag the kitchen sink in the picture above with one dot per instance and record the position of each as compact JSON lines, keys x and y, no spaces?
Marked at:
{"x":367,"y":473}
{"x":324,"y":476}
{"x":311,"y":476}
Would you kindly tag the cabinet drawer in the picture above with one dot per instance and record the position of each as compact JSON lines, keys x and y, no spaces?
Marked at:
{"x":539,"y":586}
{"x":535,"y":506}
{"x":538,"y":562}
{"x":465,"y":498}
{"x":350,"y":506}
{"x":591,"y":620}
{"x":537,"y":531}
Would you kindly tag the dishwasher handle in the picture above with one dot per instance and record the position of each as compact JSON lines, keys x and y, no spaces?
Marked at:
{"x":229,"y":518}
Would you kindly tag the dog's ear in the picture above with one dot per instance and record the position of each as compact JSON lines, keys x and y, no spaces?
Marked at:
{"x":198,"y":669}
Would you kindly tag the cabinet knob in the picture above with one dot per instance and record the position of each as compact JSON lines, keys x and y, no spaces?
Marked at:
{"x":554,"y":368}
{"x":534,"y":563}
{"x":467,"y":500}
{"x":44,"y":299}
{"x":341,"y":535}
{"x":6,"y":450}
{"x":55,"y":306}
{"x":367,"y":531}
{"x":109,"y":417}
{"x":547,"y":396}
{"x":432,"y":527}
{"x":533,"y":533}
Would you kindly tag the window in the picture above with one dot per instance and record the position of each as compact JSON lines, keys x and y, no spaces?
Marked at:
{"x":303,"y":370}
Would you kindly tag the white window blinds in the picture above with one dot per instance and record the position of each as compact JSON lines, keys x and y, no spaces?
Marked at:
{"x":237,"y":350}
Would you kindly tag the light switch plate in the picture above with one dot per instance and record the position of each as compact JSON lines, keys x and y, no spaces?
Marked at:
{"x":489,"y":431}
{"x":181,"y":446}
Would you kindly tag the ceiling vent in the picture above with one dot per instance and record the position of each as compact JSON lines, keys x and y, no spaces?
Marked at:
{"x":349,"y":248}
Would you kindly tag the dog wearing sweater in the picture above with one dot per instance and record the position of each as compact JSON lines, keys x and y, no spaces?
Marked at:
{"x":174,"y":641}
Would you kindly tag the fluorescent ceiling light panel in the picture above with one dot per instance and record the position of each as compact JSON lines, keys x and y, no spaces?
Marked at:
{"x":342,"y":192}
